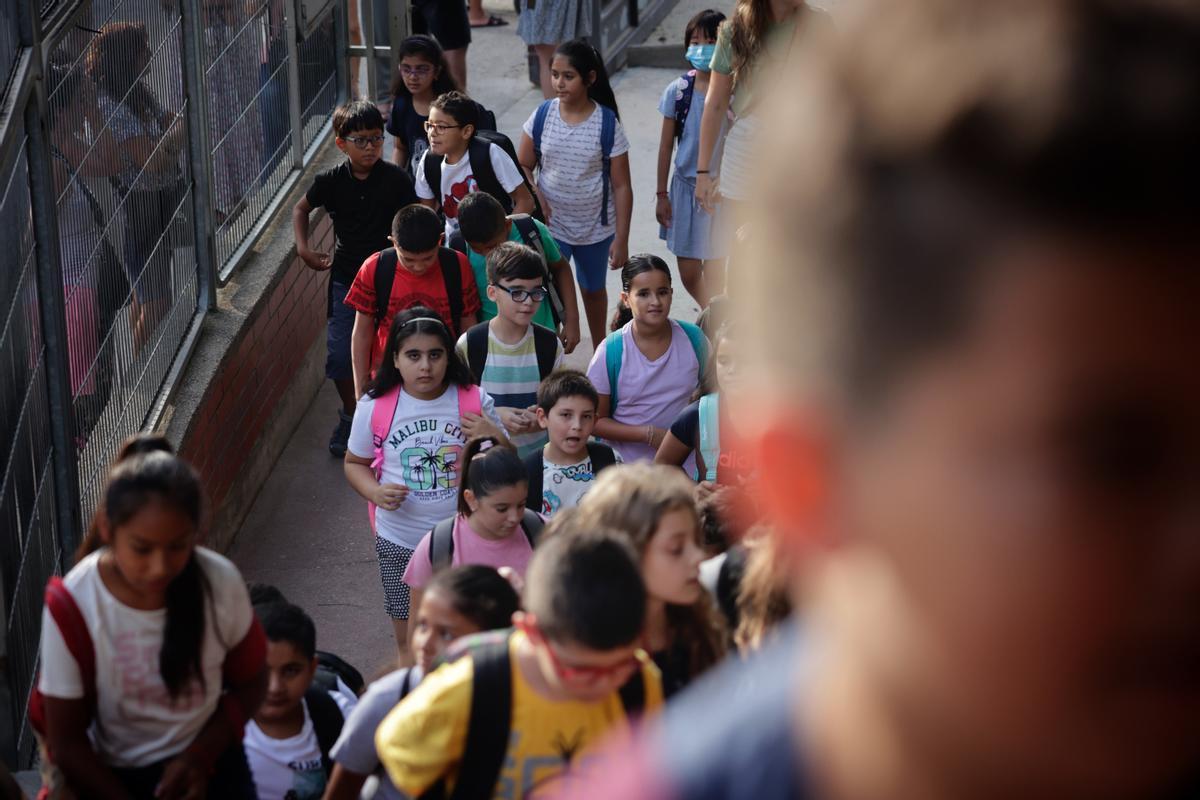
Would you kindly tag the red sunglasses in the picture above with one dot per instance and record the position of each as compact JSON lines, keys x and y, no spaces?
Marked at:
{"x":578,"y":674}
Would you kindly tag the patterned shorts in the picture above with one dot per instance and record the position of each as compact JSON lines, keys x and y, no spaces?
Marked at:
{"x":393,"y":560}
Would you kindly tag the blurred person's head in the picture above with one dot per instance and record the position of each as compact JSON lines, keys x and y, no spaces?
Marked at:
{"x":291,"y":659}
{"x":981,"y":412}
{"x":118,"y":56}
{"x":458,"y":601}
{"x":585,"y":604}
{"x":764,"y":595}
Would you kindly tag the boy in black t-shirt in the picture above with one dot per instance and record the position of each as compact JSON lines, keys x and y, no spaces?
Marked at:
{"x":361,"y":195}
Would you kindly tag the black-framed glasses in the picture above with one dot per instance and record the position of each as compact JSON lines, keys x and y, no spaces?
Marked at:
{"x":364,"y":141}
{"x":439,"y":128}
{"x":521,"y":295}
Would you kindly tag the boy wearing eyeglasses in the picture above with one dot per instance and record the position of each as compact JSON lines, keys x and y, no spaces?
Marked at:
{"x":361,"y":196}
{"x":457,"y":164}
{"x":571,"y":673}
{"x":510,"y":354}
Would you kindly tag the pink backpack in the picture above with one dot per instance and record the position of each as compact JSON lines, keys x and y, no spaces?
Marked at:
{"x":469,"y":402}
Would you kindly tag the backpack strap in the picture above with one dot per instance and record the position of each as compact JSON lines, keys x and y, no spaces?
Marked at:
{"x":532,"y":524}
{"x":614,"y":354}
{"x":432,"y":166}
{"x":382,"y":414}
{"x":633,"y":695}
{"x":385,"y":276}
{"x":491,"y":716}
{"x":545,"y":344}
{"x":479,"y":152}
{"x":327,"y":723}
{"x":78,"y":639}
{"x":683,"y":102}
{"x":452,"y":278}
{"x":477,"y":350}
{"x":441,"y":545}
{"x":608,"y":135}
{"x":531,"y":237}
{"x":699,"y":346}
{"x":602,"y":457}
{"x":470,"y":400}
{"x":710,"y":435}
{"x":535,"y":465}
{"x":539,"y":125}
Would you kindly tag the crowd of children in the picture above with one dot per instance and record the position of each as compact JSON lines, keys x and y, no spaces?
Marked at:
{"x":960,"y":450}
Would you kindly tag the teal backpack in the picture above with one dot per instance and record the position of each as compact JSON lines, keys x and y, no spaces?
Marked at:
{"x":614,"y":354}
{"x":710,"y":435}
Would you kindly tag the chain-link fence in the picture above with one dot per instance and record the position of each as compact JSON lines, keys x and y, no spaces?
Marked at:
{"x":144,"y":164}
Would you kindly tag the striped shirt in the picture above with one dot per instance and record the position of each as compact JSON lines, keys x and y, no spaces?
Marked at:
{"x":511,"y":379}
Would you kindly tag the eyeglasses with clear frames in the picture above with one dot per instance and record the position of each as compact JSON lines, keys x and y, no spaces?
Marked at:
{"x":438,"y":128}
{"x":419,"y":71}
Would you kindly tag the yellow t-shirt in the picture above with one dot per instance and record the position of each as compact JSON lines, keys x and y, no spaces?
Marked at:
{"x":422,"y":739}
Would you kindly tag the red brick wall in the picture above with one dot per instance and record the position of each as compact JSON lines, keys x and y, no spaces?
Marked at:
{"x":256,"y":370}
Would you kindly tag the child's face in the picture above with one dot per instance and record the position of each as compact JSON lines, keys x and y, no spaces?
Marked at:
{"x":363,"y":148}
{"x":671,"y":563}
{"x":418,"y":263}
{"x":498,"y":514}
{"x":583,"y":674}
{"x":569,"y":424}
{"x":568,"y":83}
{"x":446,"y":136}
{"x":649,"y":297}
{"x":483,"y":248}
{"x":151,"y":548}
{"x":726,"y":363}
{"x":1021,"y":524}
{"x":509,"y":309}
{"x":418,"y":74}
{"x":437,"y":625}
{"x":289,"y":674}
{"x":421,"y":359}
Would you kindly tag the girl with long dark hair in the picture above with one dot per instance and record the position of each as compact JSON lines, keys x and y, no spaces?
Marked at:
{"x":423,"y":74}
{"x":405,"y":443}
{"x":177,"y":656}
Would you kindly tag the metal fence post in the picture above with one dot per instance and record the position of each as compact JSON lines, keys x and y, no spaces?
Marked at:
{"x":53,"y":321}
{"x":366,"y":13}
{"x":400,"y":27}
{"x":341,"y":27}
{"x":199,"y":152}
{"x":293,"y":75}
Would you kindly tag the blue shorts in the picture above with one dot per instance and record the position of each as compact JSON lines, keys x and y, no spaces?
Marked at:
{"x":591,"y":262}
{"x":337,"y":336}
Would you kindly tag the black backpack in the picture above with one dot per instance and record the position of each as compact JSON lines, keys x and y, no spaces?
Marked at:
{"x":601,"y":455}
{"x":385,"y":275}
{"x":545,"y":343}
{"x":327,"y":723}
{"x":441,"y":539}
{"x":479,"y":151}
{"x":331,"y":667}
{"x":488,"y":730}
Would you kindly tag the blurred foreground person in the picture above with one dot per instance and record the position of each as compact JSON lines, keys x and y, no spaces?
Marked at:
{"x":980,"y":435}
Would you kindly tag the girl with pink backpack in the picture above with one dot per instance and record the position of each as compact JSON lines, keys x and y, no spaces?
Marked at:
{"x":405,"y":443}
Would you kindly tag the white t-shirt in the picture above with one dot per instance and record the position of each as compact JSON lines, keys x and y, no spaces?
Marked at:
{"x":571,"y":176}
{"x":563,"y":486}
{"x":458,"y":181}
{"x":285,"y":769}
{"x":136,"y":722}
{"x":421,"y":452}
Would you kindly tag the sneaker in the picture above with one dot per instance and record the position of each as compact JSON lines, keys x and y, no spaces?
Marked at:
{"x":337,"y":440}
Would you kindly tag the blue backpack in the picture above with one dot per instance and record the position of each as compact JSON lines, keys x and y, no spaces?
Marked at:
{"x":608,"y":133}
{"x":614,"y":355}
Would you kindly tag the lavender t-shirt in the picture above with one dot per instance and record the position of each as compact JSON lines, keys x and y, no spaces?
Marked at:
{"x":471,"y":548}
{"x":648,"y":392}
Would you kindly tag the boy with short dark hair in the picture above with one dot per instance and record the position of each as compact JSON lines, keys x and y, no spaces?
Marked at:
{"x":510,"y":355}
{"x":561,"y":472}
{"x":361,"y":195}
{"x":485,"y":226}
{"x":288,"y":741}
{"x":517,"y":709}
{"x":415,"y":271}
{"x":977,"y":416}
{"x":457,"y":163}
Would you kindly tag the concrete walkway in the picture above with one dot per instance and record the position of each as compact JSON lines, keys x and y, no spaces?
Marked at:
{"x":308,"y":532}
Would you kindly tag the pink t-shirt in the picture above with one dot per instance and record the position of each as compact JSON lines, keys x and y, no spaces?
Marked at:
{"x":471,"y":548}
{"x":648,"y":392}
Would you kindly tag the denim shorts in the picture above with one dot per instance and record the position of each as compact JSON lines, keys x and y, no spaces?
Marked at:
{"x":591,"y":262}
{"x":337,"y":337}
